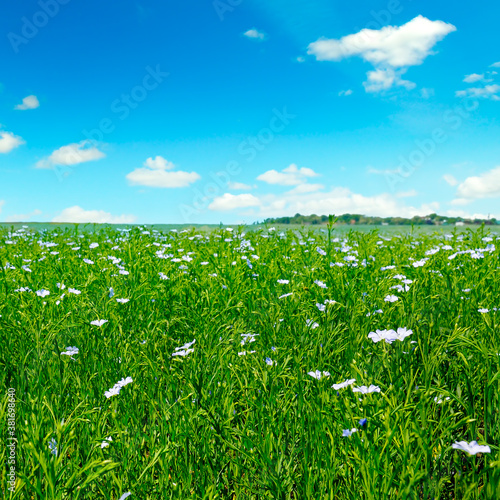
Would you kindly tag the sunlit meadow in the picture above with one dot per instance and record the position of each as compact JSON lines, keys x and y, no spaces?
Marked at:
{"x":251,"y":364}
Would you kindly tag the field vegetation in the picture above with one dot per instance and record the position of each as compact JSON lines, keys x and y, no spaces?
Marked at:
{"x":243,"y":363}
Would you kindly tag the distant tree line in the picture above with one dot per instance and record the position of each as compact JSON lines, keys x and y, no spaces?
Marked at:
{"x":431,"y":219}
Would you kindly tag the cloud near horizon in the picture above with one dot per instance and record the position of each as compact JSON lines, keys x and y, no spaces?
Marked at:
{"x":391,"y":50}
{"x":77,"y":214}
{"x":338,"y":200}
{"x":22,"y":217}
{"x":485,"y":185}
{"x":228,"y":202}
{"x":470,"y":215}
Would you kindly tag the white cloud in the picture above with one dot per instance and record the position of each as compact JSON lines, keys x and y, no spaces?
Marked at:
{"x":469,"y":215}
{"x":300,"y":59}
{"x":72,"y":154}
{"x":406,"y":45}
{"x":486,"y":92}
{"x":228,"y":202}
{"x":22,"y":217}
{"x":254,"y":34}
{"x":239,"y":186}
{"x":9,"y":141}
{"x":159,"y":163}
{"x":77,"y":214}
{"x":345,"y":92}
{"x":450,"y":179}
{"x":390,"y":49}
{"x":474,"y":77}
{"x":158,"y":172}
{"x":289,"y":176}
{"x":485,"y":185}
{"x":495,"y":65}
{"x":29,"y":102}
{"x":2,"y":203}
{"x":340,"y":200}
{"x":385,"y":78}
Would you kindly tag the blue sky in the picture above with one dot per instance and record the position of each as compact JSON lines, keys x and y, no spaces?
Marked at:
{"x":238,"y":110}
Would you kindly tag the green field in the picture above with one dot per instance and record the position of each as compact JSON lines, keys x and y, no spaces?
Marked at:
{"x":226,"y":372}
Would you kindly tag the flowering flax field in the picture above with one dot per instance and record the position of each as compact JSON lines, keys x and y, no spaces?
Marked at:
{"x":240,"y":364}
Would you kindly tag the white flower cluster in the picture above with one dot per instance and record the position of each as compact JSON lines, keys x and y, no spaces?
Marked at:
{"x":115,"y":390}
{"x":184,"y":350}
{"x":389,"y":335}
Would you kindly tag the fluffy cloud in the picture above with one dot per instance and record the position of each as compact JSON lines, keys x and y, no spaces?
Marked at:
{"x":228,"y":202}
{"x":495,"y":65}
{"x":159,"y":163}
{"x":72,"y":154}
{"x":29,"y":102}
{"x":486,"y":92}
{"x":474,"y":77}
{"x":450,"y":179}
{"x":254,"y":34}
{"x":342,"y":200}
{"x":385,"y":78}
{"x":485,"y":185}
{"x":22,"y":217}
{"x":9,"y":141}
{"x":290,"y":176}
{"x":406,"y":45}
{"x":77,"y":214}
{"x":390,"y":49}
{"x":158,"y":172}
{"x":338,"y":200}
